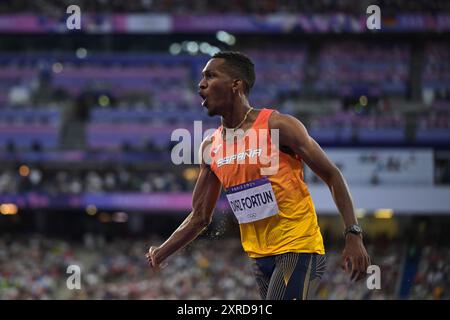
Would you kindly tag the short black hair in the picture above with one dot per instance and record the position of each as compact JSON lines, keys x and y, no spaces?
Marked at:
{"x":240,"y":66}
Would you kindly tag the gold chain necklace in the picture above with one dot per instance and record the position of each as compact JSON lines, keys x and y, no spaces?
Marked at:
{"x":241,"y":123}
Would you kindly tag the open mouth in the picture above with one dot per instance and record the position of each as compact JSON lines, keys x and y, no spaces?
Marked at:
{"x":204,"y":102}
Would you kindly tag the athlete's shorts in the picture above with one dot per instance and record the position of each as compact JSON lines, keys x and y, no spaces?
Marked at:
{"x":289,"y":276}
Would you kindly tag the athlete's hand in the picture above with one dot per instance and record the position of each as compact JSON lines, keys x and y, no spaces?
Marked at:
{"x":151,"y":257}
{"x":355,"y":259}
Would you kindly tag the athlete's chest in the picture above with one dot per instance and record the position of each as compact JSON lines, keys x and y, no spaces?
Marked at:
{"x":236,"y":162}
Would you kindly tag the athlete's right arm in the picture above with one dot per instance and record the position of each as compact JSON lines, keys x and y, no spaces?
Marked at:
{"x":206,"y":192}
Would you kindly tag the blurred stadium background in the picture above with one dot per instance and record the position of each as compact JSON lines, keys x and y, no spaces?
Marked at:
{"x":86,"y":118}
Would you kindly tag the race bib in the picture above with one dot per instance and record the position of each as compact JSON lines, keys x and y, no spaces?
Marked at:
{"x":253,"y":200}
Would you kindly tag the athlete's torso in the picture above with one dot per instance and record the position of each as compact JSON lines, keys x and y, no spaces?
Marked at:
{"x":252,"y":169}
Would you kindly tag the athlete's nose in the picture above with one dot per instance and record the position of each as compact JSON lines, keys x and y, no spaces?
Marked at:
{"x":202,"y":84}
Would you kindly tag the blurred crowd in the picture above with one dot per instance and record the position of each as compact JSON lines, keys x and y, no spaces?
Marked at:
{"x":432,"y":280}
{"x":124,"y":179}
{"x":69,"y":178}
{"x":363,"y":168}
{"x":387,"y":254}
{"x":232,"y":6}
{"x":351,"y":93}
{"x":35,"y":267}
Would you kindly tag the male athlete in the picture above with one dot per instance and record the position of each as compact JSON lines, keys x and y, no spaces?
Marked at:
{"x":276,"y":215}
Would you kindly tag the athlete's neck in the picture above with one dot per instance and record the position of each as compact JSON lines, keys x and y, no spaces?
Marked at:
{"x":236,"y":114}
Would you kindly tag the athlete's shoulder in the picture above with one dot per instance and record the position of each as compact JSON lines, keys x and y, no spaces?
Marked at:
{"x":205,"y":148}
{"x":212,"y":136}
{"x":208,"y":140}
{"x":278,"y":120}
{"x":290,"y":129}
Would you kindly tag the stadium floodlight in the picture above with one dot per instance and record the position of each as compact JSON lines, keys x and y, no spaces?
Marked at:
{"x":175,"y":48}
{"x":103,"y":100}
{"x":57,"y":67}
{"x":384,"y":213}
{"x":8,"y":209}
{"x":192,"y":47}
{"x":24,"y":170}
{"x":81,"y":53}
{"x":222,"y":36}
{"x":226,"y":37}
{"x":213,"y":50}
{"x":205,"y":47}
{"x":91,"y":210}
{"x":363,"y":100}
{"x":231,"y":40}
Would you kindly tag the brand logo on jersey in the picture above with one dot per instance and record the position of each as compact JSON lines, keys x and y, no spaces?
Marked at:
{"x":250,"y":153}
{"x":216,"y":149}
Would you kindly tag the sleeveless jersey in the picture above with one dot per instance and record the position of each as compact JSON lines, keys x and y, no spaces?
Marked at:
{"x":266,"y":191}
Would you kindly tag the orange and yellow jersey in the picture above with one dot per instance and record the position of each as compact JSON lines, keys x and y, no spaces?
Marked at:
{"x":253,"y":174}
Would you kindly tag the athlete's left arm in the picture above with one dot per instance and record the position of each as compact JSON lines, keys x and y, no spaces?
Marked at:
{"x":293,"y":135}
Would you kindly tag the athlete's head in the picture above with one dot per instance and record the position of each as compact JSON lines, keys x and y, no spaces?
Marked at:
{"x":226,"y":75}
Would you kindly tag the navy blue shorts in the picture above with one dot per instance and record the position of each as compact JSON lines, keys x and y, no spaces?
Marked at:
{"x":289,"y":276}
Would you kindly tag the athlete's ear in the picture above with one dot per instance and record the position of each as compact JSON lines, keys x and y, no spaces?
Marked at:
{"x":238,"y":85}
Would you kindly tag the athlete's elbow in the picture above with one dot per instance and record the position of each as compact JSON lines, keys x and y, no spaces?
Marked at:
{"x":333,"y":175}
{"x":201,"y":221}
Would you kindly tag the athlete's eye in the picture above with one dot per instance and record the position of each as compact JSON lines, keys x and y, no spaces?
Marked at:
{"x":209,"y":75}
